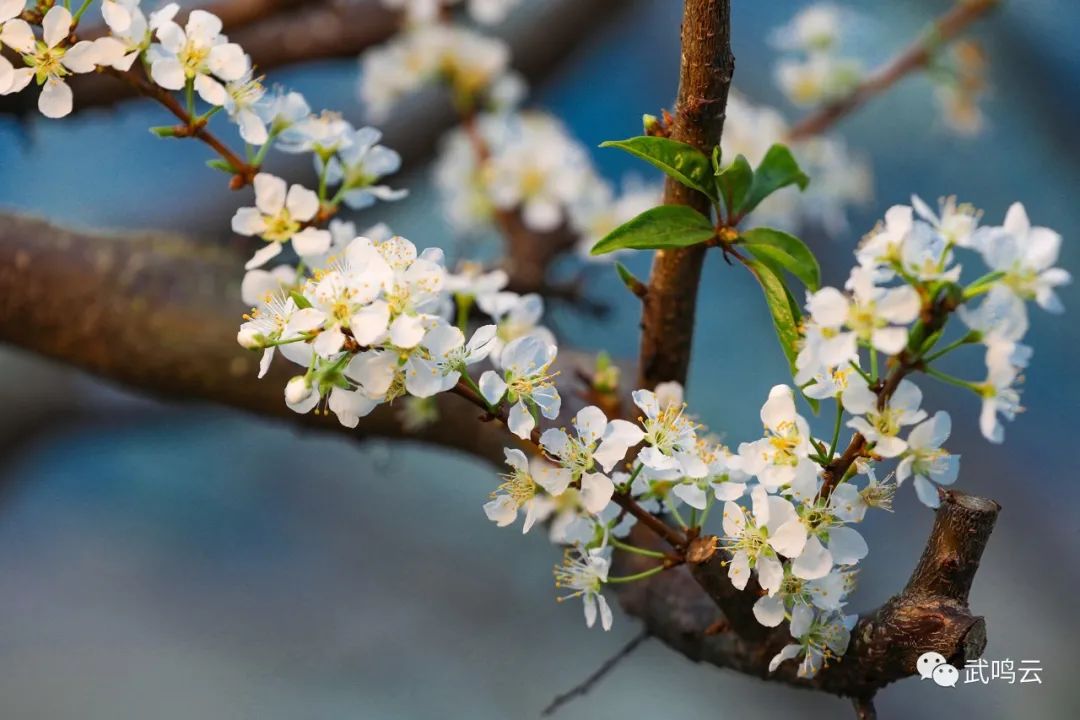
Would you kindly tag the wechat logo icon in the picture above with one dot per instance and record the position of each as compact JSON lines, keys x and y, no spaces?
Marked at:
{"x":932,"y":666}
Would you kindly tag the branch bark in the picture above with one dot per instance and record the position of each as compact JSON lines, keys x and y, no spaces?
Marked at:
{"x":707,"y":68}
{"x":916,"y":56}
{"x":930,"y":614}
{"x":158,"y":313}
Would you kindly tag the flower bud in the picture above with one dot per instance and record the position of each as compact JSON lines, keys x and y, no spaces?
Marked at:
{"x":249,"y":338}
{"x":297,"y":390}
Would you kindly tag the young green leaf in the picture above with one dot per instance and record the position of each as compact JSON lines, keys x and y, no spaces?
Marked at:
{"x":667,"y":226}
{"x":777,"y":169}
{"x":733,"y":182}
{"x":301,"y":301}
{"x":630,"y":280}
{"x":676,"y":159}
{"x":782,"y":307}
{"x":787,"y":251}
{"x":717,"y":154}
{"x":219,"y":164}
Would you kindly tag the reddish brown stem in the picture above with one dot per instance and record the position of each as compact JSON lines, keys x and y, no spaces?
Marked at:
{"x":667,"y":322}
{"x":244,"y":172}
{"x":916,"y":56}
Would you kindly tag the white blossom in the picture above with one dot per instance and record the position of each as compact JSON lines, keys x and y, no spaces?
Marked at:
{"x":521,"y":490}
{"x":359,"y":165}
{"x":782,"y":458}
{"x":281,"y":109}
{"x":516,"y":316}
{"x":882,"y":425}
{"x":927,"y":461}
{"x":539,"y":170}
{"x":584,"y":573}
{"x":448,"y":356}
{"x":197,"y":53}
{"x":819,"y":639}
{"x":278,"y":216}
{"x":1004,"y":361}
{"x":670,"y":436}
{"x":129,"y":34}
{"x":873,"y":316}
{"x":526,"y":381}
{"x":957,"y":224}
{"x":242,"y":100}
{"x":466,"y":60}
{"x":49,"y":61}
{"x":818,"y":79}
{"x":1026,"y":255}
{"x":471,"y":281}
{"x":755,"y":539}
{"x":324,"y":134}
{"x":816,"y":27}
{"x":596,"y":443}
{"x":277,"y":321}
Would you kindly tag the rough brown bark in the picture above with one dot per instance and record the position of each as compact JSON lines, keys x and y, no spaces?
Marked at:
{"x":705,"y":77}
{"x":158,"y":313}
{"x":931,"y":613}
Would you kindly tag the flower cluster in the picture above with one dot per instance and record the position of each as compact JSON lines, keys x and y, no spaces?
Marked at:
{"x":474,"y":66}
{"x":48,"y":60}
{"x":820,"y":73}
{"x":529,"y":163}
{"x":370,"y":320}
{"x":907,"y":272}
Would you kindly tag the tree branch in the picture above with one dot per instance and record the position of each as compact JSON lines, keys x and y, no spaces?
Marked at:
{"x":930,"y":614}
{"x":916,"y":56}
{"x":668,"y":313}
{"x":158,"y":313}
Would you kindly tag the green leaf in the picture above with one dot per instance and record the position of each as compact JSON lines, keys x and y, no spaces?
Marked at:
{"x":733,"y":182}
{"x":678,"y":160}
{"x":667,"y":226}
{"x":716,"y":155}
{"x":778,"y":169}
{"x":219,"y":164}
{"x":629,"y":279}
{"x":782,"y":307}
{"x":301,"y":301}
{"x":787,"y":251}
{"x":164,"y":131}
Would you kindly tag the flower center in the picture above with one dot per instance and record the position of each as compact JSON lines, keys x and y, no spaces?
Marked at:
{"x":784,"y":442}
{"x":193,"y":57}
{"x":519,"y":485}
{"x":46,"y":62}
{"x":280,"y":227}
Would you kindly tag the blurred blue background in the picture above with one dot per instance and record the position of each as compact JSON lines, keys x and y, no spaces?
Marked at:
{"x":176,"y":562}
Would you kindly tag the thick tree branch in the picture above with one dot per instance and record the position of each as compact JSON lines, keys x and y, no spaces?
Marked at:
{"x":917,"y":55}
{"x":707,"y":67}
{"x":159,"y":313}
{"x":931,"y":613}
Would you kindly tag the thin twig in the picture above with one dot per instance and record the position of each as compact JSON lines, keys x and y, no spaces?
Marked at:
{"x":915,"y":56}
{"x":245,"y":172}
{"x":601,"y":672}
